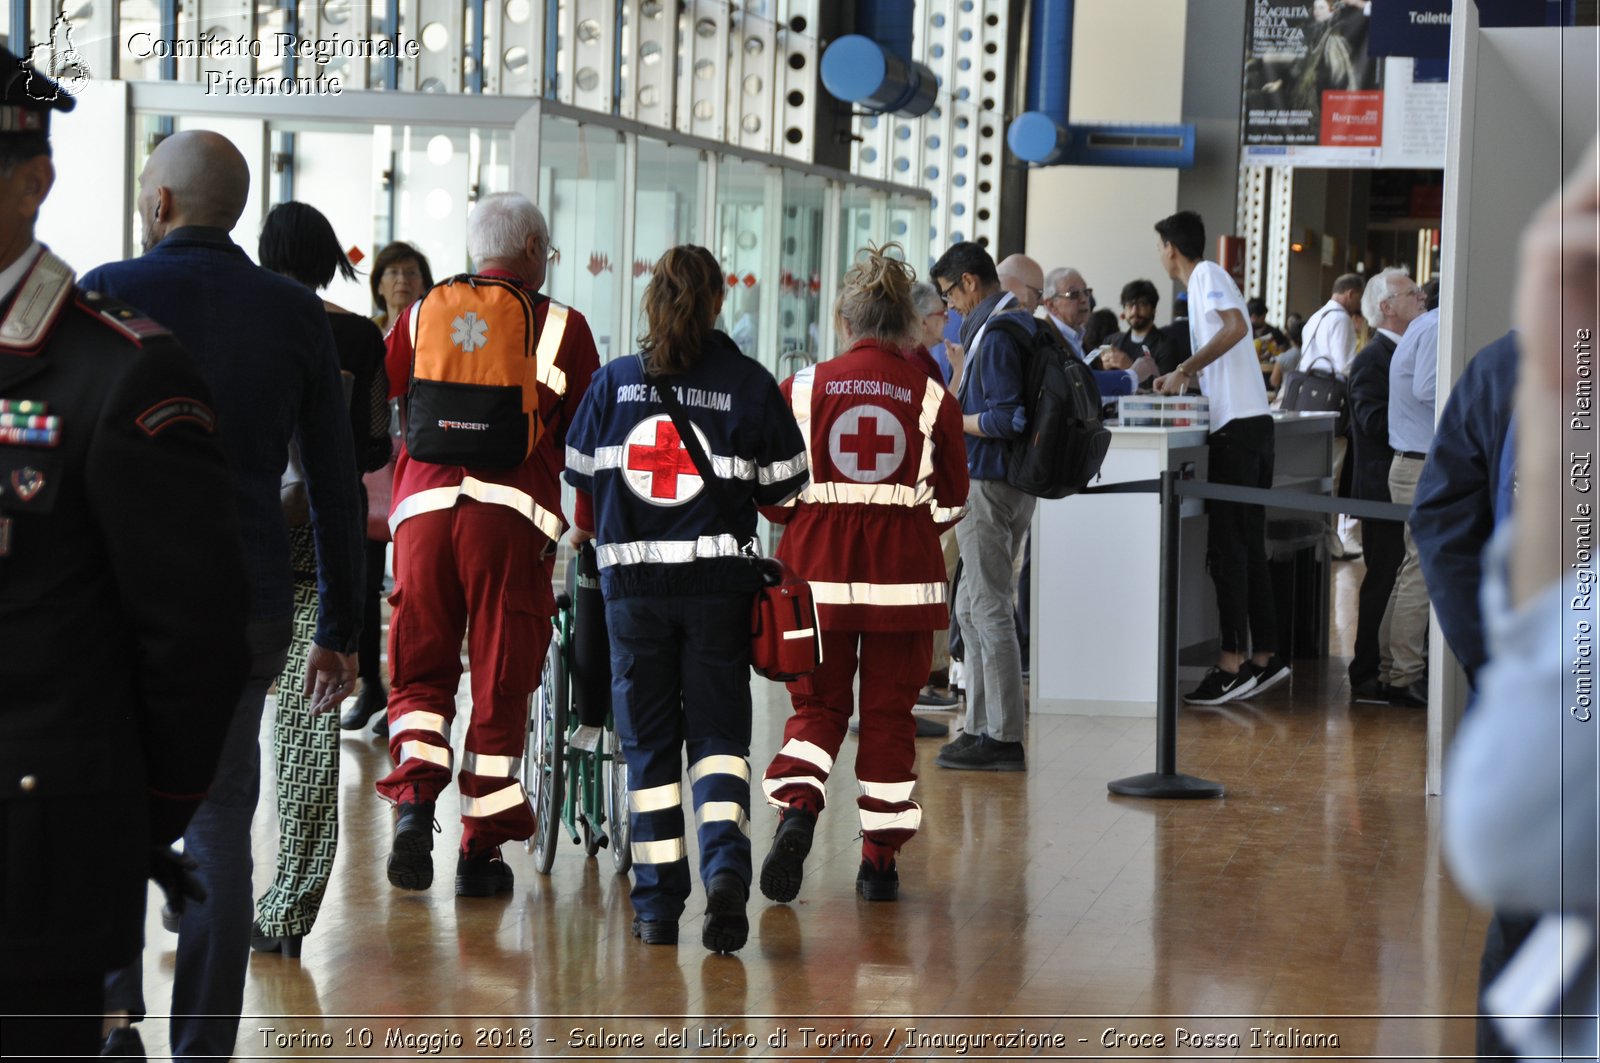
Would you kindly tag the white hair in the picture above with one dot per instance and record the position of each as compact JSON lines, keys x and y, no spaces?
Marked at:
{"x":1053,"y":279}
{"x":500,"y":225}
{"x":925,"y":298}
{"x":1378,"y":289}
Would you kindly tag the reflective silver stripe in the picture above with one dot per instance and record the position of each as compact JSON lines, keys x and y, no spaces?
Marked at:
{"x":909,"y":819}
{"x":878,"y":593}
{"x":800,"y":391}
{"x":772,"y":786}
{"x":666,"y":551}
{"x":439,"y":755}
{"x":941,"y":515}
{"x":810,"y":752}
{"x":579,"y":462}
{"x":783,"y":470}
{"x":431,"y":722}
{"x":800,"y":633}
{"x":655,"y":798}
{"x":487,"y":764}
{"x":668,"y":851}
{"x":725,"y":467}
{"x":555,"y":326}
{"x":892,"y":792}
{"x":722,"y":812}
{"x":722,"y":764}
{"x":607,"y":458}
{"x":506,"y":797}
{"x":861,"y":494}
{"x":932,"y":397}
{"x":437,"y":498}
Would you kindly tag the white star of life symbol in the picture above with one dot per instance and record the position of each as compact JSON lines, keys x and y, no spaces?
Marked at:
{"x":469,"y":331}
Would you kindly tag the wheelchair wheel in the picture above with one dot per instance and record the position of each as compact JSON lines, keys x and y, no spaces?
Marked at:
{"x":546,"y":755}
{"x":616,"y":799}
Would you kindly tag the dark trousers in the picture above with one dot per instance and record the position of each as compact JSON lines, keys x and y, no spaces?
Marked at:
{"x":51,"y":1018}
{"x":1507,"y":933}
{"x":370,"y":647}
{"x":1241,"y":453}
{"x":680,"y":683}
{"x":1383,"y":543}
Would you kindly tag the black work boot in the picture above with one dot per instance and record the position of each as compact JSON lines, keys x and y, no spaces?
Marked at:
{"x":784,"y":867}
{"x":411,"y":854}
{"x":483,"y":874}
{"x":727,"y":928}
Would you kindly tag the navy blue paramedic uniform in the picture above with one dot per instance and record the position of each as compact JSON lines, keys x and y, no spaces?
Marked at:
{"x":678,"y":596}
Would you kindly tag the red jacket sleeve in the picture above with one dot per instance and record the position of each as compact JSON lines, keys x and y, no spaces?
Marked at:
{"x":397,"y":354}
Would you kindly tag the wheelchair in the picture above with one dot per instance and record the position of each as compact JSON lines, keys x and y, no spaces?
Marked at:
{"x":574,"y":774}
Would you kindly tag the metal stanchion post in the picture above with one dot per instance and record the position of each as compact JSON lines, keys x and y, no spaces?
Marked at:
{"x":1165,"y":781}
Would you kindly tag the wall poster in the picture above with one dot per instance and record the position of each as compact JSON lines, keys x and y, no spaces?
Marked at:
{"x":1315,"y":95}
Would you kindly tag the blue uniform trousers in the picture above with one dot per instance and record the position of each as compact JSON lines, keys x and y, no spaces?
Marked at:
{"x":681,"y":683}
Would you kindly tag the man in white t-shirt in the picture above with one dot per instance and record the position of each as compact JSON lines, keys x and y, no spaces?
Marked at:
{"x":1330,"y":340}
{"x":1240,"y":452}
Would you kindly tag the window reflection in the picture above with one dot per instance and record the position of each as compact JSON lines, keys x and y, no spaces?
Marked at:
{"x":666,"y":213}
{"x":579,"y":166}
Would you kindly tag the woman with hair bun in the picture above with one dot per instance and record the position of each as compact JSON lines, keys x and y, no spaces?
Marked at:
{"x":888,"y":474}
{"x":678,"y":579}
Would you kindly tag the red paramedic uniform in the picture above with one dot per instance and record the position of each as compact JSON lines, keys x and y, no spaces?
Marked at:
{"x":888,"y":474}
{"x":474,"y":554}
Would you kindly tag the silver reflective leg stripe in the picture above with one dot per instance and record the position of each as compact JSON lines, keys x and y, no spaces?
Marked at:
{"x":723,"y":812}
{"x":665,"y":851}
{"x":810,"y":752}
{"x":431,"y":722}
{"x":721,"y":764}
{"x":908,"y":819}
{"x":892,"y":792}
{"x":772,"y":786}
{"x":488,"y":764}
{"x":656,"y":798}
{"x":506,"y":797}
{"x":423,"y":751}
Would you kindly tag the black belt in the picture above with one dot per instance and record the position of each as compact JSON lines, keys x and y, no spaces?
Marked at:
{"x":1413,"y":455}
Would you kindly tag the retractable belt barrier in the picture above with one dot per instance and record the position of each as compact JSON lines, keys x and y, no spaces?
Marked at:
{"x":1166,"y":781}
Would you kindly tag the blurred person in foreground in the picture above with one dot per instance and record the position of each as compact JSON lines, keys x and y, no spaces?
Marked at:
{"x":1520,"y":795}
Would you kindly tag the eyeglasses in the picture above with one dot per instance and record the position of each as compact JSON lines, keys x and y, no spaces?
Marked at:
{"x":553,"y":256}
{"x":398,"y":273}
{"x":944,"y":293}
{"x":1038,"y":293}
{"x":1075,"y":293}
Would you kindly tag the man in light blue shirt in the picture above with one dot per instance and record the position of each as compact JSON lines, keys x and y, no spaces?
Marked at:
{"x":1413,"y":374}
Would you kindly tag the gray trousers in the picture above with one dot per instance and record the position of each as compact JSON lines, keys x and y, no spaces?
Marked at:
{"x":998,"y":516}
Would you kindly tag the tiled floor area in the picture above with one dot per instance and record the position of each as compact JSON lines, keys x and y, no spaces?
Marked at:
{"x":1311,"y":899}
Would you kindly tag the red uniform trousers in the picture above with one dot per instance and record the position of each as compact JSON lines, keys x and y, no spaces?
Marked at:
{"x":893,"y":667}
{"x":477,"y":570}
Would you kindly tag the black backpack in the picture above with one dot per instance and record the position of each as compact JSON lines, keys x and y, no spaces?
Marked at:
{"x":1064,"y":441}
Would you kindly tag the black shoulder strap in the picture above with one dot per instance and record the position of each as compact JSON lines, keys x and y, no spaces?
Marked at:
{"x":691,"y":443}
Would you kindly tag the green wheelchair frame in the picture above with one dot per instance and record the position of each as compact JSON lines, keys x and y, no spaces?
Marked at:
{"x":584,"y":790}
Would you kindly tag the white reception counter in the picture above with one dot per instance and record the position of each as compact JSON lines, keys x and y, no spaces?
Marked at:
{"x":1096,"y":569}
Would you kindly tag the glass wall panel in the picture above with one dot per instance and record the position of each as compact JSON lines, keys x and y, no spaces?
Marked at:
{"x":747,"y":207}
{"x":800,"y":271}
{"x":666,"y":212}
{"x":580,"y":194}
{"x":909,"y":218}
{"x":862,"y":220}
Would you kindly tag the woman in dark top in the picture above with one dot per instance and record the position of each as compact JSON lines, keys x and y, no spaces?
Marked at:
{"x":298,"y":242}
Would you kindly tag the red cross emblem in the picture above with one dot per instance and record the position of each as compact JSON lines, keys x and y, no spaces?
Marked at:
{"x":867,"y":444}
{"x":656,"y":464}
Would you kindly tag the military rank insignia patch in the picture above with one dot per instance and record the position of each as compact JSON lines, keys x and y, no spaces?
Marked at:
{"x":168,"y":412}
{"x":26,"y":482}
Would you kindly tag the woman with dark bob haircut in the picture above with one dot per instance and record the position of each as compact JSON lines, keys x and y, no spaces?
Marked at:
{"x":400,"y":276}
{"x":678,"y":580}
{"x":298,"y":242}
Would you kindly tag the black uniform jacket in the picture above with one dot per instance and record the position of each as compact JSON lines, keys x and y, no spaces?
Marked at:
{"x":122,"y":617}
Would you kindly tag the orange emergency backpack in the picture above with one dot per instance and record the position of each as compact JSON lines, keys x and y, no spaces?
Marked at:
{"x":474,"y":396}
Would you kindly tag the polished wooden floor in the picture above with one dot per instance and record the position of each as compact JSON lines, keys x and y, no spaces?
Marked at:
{"x":1310,"y":905}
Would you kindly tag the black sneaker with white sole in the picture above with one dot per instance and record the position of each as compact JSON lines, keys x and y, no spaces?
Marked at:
{"x":1267,"y":676}
{"x":1219,"y":686}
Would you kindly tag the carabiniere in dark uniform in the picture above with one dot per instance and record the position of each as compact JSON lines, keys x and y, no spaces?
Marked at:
{"x":122,"y":606}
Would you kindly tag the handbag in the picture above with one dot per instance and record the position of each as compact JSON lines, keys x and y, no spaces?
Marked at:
{"x":785,"y":638}
{"x":1314,"y":390}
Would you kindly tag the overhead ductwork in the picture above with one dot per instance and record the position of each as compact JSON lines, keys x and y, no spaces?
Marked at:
{"x":873,"y":69}
{"x":1044,"y":136}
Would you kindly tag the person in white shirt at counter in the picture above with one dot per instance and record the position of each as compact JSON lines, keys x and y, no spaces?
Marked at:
{"x":1069,"y":302}
{"x":1240,"y":452}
